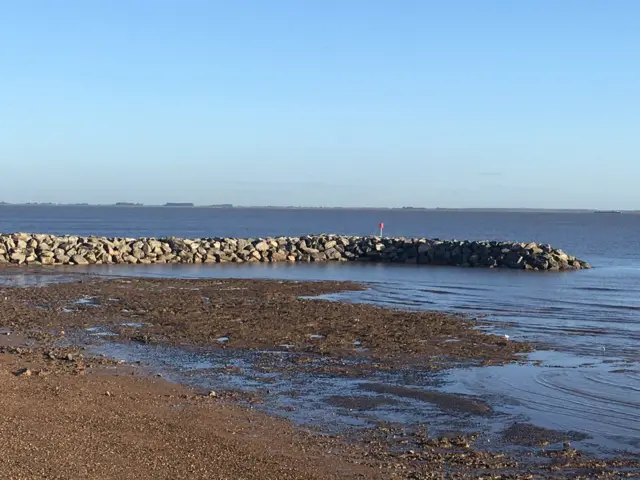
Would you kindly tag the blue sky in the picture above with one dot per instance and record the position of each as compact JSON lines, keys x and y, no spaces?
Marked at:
{"x":358,"y":102}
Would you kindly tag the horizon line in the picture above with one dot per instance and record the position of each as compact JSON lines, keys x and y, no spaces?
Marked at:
{"x":223,"y":206}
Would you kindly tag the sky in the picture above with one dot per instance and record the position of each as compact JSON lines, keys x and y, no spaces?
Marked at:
{"x":327,"y":103}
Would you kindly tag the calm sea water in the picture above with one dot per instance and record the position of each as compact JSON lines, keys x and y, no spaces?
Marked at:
{"x":591,"y":319}
{"x":605,"y":239}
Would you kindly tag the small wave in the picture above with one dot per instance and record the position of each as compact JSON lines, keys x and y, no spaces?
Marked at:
{"x":438,"y":292}
{"x":601,"y":305}
{"x":467,"y":287}
{"x":599,"y":289}
{"x":580,"y":397}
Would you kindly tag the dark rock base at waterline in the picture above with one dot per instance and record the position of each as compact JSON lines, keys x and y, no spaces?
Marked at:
{"x":42,"y":249}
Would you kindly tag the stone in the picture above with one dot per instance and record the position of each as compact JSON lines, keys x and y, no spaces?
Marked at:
{"x":515,"y":261}
{"x":18,"y":257}
{"x":130,"y":259}
{"x":423,"y":248}
{"x":278,"y":256}
{"x":79,"y":260}
{"x":262,"y":246}
{"x":318,"y":257}
{"x":47,"y":260}
{"x":62,"y":259}
{"x":38,"y":249}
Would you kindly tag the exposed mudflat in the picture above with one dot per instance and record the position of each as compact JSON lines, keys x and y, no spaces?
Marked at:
{"x":251,"y":314}
{"x":82,"y":396}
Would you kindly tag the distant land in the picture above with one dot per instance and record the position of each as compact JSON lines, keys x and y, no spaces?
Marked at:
{"x":294,"y":207}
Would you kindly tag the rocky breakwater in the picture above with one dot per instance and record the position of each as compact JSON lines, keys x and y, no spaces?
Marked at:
{"x":39,"y":249}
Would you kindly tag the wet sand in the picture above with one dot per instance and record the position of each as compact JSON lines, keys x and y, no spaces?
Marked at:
{"x":74,"y":415}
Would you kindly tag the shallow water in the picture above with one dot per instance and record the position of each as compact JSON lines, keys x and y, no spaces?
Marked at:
{"x":302,"y":397}
{"x":331,"y":403}
{"x":28,"y":279}
{"x":596,"y":396}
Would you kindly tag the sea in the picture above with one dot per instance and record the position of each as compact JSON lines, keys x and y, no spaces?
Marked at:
{"x":585,"y":323}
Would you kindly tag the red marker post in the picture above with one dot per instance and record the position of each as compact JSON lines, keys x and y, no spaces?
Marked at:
{"x":381,"y":228}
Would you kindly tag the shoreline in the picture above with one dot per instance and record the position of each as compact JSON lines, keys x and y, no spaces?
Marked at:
{"x":162,"y":317}
{"x":51,"y":250}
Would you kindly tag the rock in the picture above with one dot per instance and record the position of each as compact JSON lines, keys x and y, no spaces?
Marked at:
{"x":23,"y":248}
{"x":79,"y":260}
{"x":18,"y":257}
{"x":318,"y":257}
{"x":262,"y":246}
{"x":130,"y":259}
{"x":333,"y":254}
{"x":47,"y":260}
{"x":23,"y":372}
{"x":278,"y":256}
{"x":62,"y":259}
